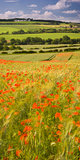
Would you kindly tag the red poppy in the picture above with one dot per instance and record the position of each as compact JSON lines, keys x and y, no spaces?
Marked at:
{"x":18,"y":152}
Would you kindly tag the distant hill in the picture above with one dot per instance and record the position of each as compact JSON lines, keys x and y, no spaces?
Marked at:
{"x":39,"y":21}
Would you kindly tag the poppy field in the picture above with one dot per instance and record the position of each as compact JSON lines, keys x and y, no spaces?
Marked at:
{"x":40,"y":110}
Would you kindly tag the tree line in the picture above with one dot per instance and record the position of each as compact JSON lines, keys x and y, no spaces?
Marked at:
{"x":38,"y":41}
{"x":50,"y":30}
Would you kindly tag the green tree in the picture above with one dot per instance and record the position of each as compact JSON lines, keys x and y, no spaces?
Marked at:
{"x":3,"y":40}
{"x":13,"y":41}
{"x":5,"y":47}
{"x":12,"y":47}
{"x":1,"y":47}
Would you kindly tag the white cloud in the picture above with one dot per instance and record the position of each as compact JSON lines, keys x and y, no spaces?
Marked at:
{"x":70,"y":12}
{"x":36,"y":15}
{"x":32,"y":5}
{"x":74,"y":0}
{"x":69,"y":19}
{"x":36,"y":11}
{"x":10,"y":0}
{"x":61,"y":4}
{"x":47,"y":13}
{"x":8,"y":14}
{"x":20,"y":14}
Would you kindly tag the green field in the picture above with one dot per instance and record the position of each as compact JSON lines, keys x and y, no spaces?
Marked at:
{"x":40,"y":108}
{"x":28,"y":27}
{"x":39,"y":98}
{"x":28,"y":57}
{"x":42,"y":35}
{"x":43,"y":57}
{"x":11,"y":28}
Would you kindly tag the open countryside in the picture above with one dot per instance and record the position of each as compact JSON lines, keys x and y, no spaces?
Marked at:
{"x":39,"y":91}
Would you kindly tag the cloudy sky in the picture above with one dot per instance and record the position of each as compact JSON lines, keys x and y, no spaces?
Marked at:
{"x":64,"y":10}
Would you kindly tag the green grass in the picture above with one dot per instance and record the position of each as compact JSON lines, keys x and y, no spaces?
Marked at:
{"x":7,"y":28}
{"x":29,"y":26}
{"x":42,"y":57}
{"x":28,"y":57}
{"x":42,"y":35}
{"x":40,"y":110}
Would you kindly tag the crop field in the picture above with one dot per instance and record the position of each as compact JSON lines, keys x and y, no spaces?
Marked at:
{"x":42,"y":35}
{"x":11,"y":28}
{"x":28,"y":57}
{"x":40,"y":108}
{"x":39,"y":95}
{"x":43,"y":57}
{"x":27,"y":27}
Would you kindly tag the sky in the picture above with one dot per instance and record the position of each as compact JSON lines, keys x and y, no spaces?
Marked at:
{"x":63,"y":10}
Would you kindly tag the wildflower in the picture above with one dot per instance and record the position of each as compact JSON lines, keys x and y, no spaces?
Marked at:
{"x":44,"y":96}
{"x":5,"y":158}
{"x":9,"y":148}
{"x":53,"y":106}
{"x":27,"y":120}
{"x":25,"y":141}
{"x":60,"y":126}
{"x":19,"y":133}
{"x":37,"y":113}
{"x":58,"y":115}
{"x":58,"y":132}
{"x":56,"y":97}
{"x":70,"y":116}
{"x":36,"y":158}
{"x":7,"y":117}
{"x":58,"y":140}
{"x":78,"y":123}
{"x":23,"y":136}
{"x":22,"y":123}
{"x":16,"y":113}
{"x":76,"y":113}
{"x":76,"y":139}
{"x":37,"y":124}
{"x":27,"y":128}
{"x":51,"y":94}
{"x":77,"y":108}
{"x":39,"y":117}
{"x":78,"y":93}
{"x":18,"y":152}
{"x":26,"y":92}
{"x":34,"y":106}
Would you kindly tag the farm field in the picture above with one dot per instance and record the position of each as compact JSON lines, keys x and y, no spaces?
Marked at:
{"x":43,"y":57}
{"x":42,"y":35}
{"x":39,"y":94}
{"x":11,"y":28}
{"x":28,"y":57}
{"x":28,"y":27}
{"x":40,"y":108}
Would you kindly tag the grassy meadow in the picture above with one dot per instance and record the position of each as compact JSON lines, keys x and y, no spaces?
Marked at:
{"x":39,"y":99}
{"x":33,"y":26}
{"x":28,"y":57}
{"x":28,"y":26}
{"x":43,"y":57}
{"x":42,"y":35}
{"x":40,"y":109}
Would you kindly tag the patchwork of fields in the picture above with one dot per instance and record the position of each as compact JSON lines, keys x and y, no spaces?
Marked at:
{"x":40,"y":101}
